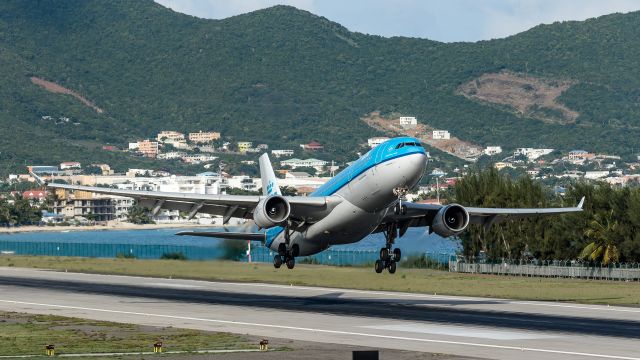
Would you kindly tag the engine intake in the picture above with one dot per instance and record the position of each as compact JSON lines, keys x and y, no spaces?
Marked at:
{"x":450,"y":220}
{"x":271,"y":211}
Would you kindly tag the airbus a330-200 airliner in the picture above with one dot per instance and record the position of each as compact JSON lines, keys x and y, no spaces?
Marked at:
{"x":365,"y":198}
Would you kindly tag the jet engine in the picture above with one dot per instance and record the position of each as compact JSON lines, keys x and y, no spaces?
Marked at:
{"x":271,"y":211}
{"x":450,"y":220}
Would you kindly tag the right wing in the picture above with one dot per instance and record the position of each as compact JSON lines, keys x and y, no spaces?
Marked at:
{"x":423,"y":215}
{"x":303,"y":209}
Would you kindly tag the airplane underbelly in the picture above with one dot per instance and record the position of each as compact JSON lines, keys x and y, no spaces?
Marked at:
{"x":346,"y":224}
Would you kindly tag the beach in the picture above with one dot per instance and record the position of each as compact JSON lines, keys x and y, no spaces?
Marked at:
{"x":111,"y":225}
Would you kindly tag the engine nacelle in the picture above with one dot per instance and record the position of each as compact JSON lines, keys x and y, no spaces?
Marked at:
{"x":271,"y":211}
{"x":450,"y":220}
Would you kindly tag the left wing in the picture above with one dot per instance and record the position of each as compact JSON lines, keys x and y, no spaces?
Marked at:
{"x":304,"y":209}
{"x":419,"y":215}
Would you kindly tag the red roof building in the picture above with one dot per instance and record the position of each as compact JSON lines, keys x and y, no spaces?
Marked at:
{"x":34,"y":194}
{"x":313,"y":146}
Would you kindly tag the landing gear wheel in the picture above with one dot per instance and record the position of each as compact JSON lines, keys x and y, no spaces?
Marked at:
{"x":277,"y":261}
{"x":282,"y":249}
{"x":392,"y":267}
{"x":397,"y":254}
{"x":379,"y":266}
{"x":291,"y":262}
{"x":384,"y":254}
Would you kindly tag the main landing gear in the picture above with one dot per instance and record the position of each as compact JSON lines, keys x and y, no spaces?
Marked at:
{"x":388,"y":257}
{"x":286,"y":254}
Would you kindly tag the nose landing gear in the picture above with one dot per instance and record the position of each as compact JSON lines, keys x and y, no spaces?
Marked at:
{"x":388,"y":257}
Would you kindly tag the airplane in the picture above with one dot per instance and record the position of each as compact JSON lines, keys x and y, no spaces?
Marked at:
{"x":365,"y":198}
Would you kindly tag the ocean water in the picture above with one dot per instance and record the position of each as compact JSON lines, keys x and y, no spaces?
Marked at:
{"x":151,"y":244}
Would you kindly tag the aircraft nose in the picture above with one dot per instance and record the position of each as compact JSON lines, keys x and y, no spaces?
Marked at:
{"x":418,"y":165}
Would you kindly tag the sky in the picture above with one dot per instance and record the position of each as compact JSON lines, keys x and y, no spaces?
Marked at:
{"x":443,"y":20}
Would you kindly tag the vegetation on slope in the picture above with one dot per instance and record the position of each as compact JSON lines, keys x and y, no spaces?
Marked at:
{"x":284,"y":76}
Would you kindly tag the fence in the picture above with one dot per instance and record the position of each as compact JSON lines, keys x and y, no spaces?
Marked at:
{"x":107,"y":250}
{"x":355,"y":257}
{"x":336,"y":257}
{"x":552,"y":269}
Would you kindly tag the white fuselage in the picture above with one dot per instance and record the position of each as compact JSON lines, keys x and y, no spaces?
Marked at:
{"x":366,"y":200}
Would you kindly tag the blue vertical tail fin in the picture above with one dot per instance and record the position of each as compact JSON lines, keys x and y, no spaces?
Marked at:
{"x":269,"y":180}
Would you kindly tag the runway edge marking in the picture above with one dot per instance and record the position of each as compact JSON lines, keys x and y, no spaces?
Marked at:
{"x":337,"y":332}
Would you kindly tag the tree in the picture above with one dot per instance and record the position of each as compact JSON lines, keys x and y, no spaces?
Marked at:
{"x":601,"y":232}
{"x":22,"y":213}
{"x":139,"y":215}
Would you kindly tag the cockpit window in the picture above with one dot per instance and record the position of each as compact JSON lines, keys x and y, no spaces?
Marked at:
{"x":401,"y":145}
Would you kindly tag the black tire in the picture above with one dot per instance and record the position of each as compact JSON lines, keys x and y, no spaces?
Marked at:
{"x":282,"y":249}
{"x":379,"y":266}
{"x":397,"y":254}
{"x":277,"y":261}
{"x":295,"y":250}
{"x":384,"y":254}
{"x":291,"y":262}
{"x":392,"y":267}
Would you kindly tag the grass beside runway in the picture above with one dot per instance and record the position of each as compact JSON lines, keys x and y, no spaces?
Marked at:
{"x":409,"y":280}
{"x":27,"y":334}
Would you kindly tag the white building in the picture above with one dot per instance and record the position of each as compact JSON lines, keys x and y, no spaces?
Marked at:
{"x":492,"y":150}
{"x":244,"y":182}
{"x":70,"y":165}
{"x":440,"y":135}
{"x":296,"y":163}
{"x":134,"y":146}
{"x":532,"y":153}
{"x":592,"y":175}
{"x":408,"y":122}
{"x":171,"y":155}
{"x":375,"y":141}
{"x":197,"y":158}
{"x":280,"y":153}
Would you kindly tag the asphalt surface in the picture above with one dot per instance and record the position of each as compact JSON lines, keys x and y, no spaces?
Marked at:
{"x":462,"y":326}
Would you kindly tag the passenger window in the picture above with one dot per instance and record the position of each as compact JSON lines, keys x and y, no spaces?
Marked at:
{"x":399,"y":146}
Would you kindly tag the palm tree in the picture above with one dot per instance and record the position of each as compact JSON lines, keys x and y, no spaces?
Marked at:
{"x":602,"y":247}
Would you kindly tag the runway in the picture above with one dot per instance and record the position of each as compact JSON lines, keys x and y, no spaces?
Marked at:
{"x":474,"y":327}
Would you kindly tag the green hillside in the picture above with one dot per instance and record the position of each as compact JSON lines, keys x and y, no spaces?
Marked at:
{"x":285,"y":76}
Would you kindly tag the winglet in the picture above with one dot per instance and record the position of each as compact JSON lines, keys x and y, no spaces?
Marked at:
{"x":39,"y":180}
{"x":581,"y":203}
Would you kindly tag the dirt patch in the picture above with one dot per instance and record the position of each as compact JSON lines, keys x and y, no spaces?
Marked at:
{"x":529,"y":96}
{"x":57,"y":89}
{"x":459,"y":148}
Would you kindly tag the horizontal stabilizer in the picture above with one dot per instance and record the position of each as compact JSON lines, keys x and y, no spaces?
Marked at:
{"x":225,"y":235}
